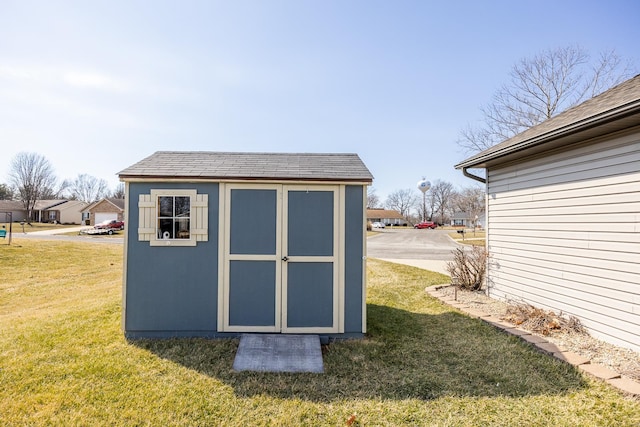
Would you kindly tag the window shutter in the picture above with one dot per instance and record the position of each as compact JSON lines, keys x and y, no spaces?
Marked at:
{"x":200,"y":217}
{"x":146,"y":217}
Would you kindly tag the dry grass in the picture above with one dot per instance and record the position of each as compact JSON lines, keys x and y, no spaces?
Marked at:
{"x":619,"y":359}
{"x":64,"y":361}
{"x":471,"y":238}
{"x":50,"y":279}
{"x":35,"y":226}
{"x":541,"y":321}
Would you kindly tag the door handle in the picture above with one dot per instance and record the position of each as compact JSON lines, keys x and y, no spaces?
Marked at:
{"x":285,"y":258}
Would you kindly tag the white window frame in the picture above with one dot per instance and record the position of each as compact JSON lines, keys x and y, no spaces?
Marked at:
{"x":148,"y":217}
{"x":155,"y":196}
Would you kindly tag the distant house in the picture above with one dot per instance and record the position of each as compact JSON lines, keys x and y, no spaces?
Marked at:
{"x":385,"y":216}
{"x":465,"y":219}
{"x":563,"y":214}
{"x":69,"y":212}
{"x":57,"y":210}
{"x":103,"y":210}
{"x":15,"y":208}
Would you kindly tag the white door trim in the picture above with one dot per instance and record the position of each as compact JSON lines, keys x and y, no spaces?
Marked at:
{"x":338,"y":285}
{"x":224,"y":258}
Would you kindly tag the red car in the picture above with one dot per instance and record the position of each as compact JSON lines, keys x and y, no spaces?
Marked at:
{"x":426,"y":224}
{"x":111,"y":223}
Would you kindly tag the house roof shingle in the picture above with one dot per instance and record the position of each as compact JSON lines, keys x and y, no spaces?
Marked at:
{"x":234,"y":165}
{"x":11,"y":205}
{"x":621,"y":103}
{"x":118,"y":203}
{"x":383,"y":213}
{"x":40,"y":205}
{"x":71,"y":204}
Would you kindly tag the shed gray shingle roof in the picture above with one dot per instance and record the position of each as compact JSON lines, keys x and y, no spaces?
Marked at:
{"x":615,"y":103}
{"x":225,"y":165}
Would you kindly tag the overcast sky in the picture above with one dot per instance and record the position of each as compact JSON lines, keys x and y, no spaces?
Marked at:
{"x":95,"y":86}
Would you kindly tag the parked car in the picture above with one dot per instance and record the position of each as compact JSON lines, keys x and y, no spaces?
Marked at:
{"x":378,"y":225}
{"x":426,"y":224}
{"x":113,"y":224}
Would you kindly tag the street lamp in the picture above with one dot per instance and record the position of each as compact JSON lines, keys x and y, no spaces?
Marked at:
{"x":424,"y":186}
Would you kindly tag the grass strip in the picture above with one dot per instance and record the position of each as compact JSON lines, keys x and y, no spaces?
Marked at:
{"x":64,"y":361}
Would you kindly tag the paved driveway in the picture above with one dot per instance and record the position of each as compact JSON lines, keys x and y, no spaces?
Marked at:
{"x":58,"y":234}
{"x":428,"y":249}
{"x":411,"y":243}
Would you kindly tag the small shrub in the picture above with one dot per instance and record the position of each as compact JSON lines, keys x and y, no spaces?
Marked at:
{"x":468,"y":268}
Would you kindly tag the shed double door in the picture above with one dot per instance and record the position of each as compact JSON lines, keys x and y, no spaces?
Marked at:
{"x":280,"y":259}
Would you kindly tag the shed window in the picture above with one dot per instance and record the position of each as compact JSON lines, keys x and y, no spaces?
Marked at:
{"x":173,"y":217}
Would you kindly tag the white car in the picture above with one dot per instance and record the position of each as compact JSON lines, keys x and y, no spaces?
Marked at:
{"x":377,"y":225}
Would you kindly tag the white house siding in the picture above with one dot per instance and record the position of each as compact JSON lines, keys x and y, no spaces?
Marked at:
{"x":71,"y":212}
{"x":564,"y":234}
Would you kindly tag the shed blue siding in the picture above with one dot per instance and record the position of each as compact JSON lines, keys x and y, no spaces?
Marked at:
{"x":354,"y":253}
{"x":171,"y":290}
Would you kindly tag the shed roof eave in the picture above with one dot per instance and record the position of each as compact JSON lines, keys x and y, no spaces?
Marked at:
{"x":179,"y":178}
{"x":588,"y":126}
{"x":249,"y":166}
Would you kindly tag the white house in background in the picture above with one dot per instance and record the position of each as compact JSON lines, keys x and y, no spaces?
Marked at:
{"x":563,"y":214}
{"x":14,"y":208}
{"x":386,"y":216}
{"x":58,"y":210}
{"x":466,"y":219}
{"x":69,"y":212}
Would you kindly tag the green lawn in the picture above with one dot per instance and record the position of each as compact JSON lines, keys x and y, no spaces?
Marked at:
{"x":64,"y":361}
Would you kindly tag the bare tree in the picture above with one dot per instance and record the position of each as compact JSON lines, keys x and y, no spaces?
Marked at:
{"x":118,"y":192}
{"x":402,"y":201}
{"x":6,"y":193}
{"x":424,"y":212}
{"x":540,"y":88}
{"x":373,"y":201}
{"x":472,"y":201}
{"x":88,"y":188}
{"x":57,"y":192}
{"x":441,"y":197}
{"x":33,"y":178}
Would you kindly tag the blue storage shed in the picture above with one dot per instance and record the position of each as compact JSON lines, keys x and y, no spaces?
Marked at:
{"x":219,"y":244}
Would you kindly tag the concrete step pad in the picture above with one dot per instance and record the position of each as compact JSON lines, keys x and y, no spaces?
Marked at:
{"x":279,"y":353}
